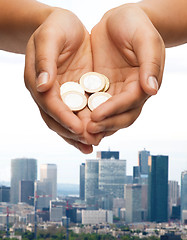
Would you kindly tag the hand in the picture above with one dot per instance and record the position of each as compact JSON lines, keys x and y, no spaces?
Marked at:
{"x":60,"y":51}
{"x":130,"y":52}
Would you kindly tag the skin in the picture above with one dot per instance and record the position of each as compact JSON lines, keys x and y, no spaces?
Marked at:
{"x":169,"y":18}
{"x":18,"y":20}
{"x":65,"y":57}
{"x":129,"y":58}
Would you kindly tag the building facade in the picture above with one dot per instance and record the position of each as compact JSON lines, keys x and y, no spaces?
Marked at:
{"x":21,"y":169}
{"x":183,"y":193}
{"x":48,"y":172}
{"x":57,"y":210}
{"x":158,"y":189}
{"x":173,"y":195}
{"x":135,"y":211}
{"x":26,"y":190}
{"x":91,"y":182}
{"x":112,"y":177}
{"x":97,"y":216}
{"x":4,"y":194}
{"x":82,"y":182}
{"x":104,"y":180}
{"x":143,"y":161}
{"x":44,"y":192}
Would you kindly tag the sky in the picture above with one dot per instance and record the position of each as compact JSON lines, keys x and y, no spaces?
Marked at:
{"x":161,"y":127}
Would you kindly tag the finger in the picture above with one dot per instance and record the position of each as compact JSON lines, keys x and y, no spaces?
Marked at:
{"x":70,"y":138}
{"x":48,"y":45}
{"x":114,"y":123}
{"x":86,"y":149}
{"x":150,"y":53}
{"x":56,"y":127}
{"x":50,"y":102}
{"x":90,"y":139}
{"x":131,"y":98}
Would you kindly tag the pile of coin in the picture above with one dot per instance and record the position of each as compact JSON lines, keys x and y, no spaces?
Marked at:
{"x":96,"y":84}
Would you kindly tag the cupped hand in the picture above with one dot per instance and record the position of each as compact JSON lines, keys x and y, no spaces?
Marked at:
{"x":130,"y":52}
{"x":57,"y":52}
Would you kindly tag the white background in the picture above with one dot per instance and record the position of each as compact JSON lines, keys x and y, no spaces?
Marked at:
{"x":161,"y":127}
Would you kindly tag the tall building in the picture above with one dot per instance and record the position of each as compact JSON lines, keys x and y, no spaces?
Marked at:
{"x":112,"y":177}
{"x":82,"y":182}
{"x":91,"y":182}
{"x":21,"y":169}
{"x":173,"y":195}
{"x":48,"y":172}
{"x":136,"y":174}
{"x":4,"y":194}
{"x":108,"y":154}
{"x":26,"y":190}
{"x":183,"y":193}
{"x":129,"y":179}
{"x":57,"y":210}
{"x":44,"y":191}
{"x":104,"y":179}
{"x":143,"y":161}
{"x":133,"y":197}
{"x":158,"y":188}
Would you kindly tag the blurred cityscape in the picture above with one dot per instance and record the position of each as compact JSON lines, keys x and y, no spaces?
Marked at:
{"x":110,"y":203}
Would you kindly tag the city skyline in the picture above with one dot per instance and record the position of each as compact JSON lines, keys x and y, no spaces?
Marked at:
{"x":143,"y":199}
{"x":161,"y":127}
{"x":129,"y":171}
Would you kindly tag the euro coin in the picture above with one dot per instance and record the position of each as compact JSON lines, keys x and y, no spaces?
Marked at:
{"x":71,"y":86}
{"x":97,"y":99}
{"x":107,"y":83}
{"x":76,"y":101}
{"x":92,"y":82}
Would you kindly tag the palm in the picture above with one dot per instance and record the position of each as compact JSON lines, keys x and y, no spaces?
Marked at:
{"x":74,"y":59}
{"x":73,"y":62}
{"x":118,"y":63}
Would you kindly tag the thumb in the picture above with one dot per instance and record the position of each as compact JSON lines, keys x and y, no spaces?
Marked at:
{"x":150,"y":53}
{"x":47,"y":52}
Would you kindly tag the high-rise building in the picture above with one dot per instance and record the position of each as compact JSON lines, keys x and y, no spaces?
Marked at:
{"x":48,"y":172}
{"x":173,"y":195}
{"x":112,"y":177}
{"x":158,"y":188}
{"x":21,"y":169}
{"x":82,"y":182}
{"x":91,"y":182}
{"x":136,"y":174}
{"x":143,"y":161}
{"x":129,"y":179}
{"x":44,"y":191}
{"x":133,"y":197}
{"x":183,"y":193}
{"x":108,"y":154}
{"x":26,"y":190}
{"x":104,"y":179}
{"x":57,"y":210}
{"x":4,"y":194}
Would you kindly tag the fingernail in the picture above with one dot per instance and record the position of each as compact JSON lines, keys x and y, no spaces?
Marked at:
{"x":99,"y":128}
{"x":42,"y":80}
{"x":71,"y":130}
{"x":82,"y":140}
{"x":153,"y":83}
